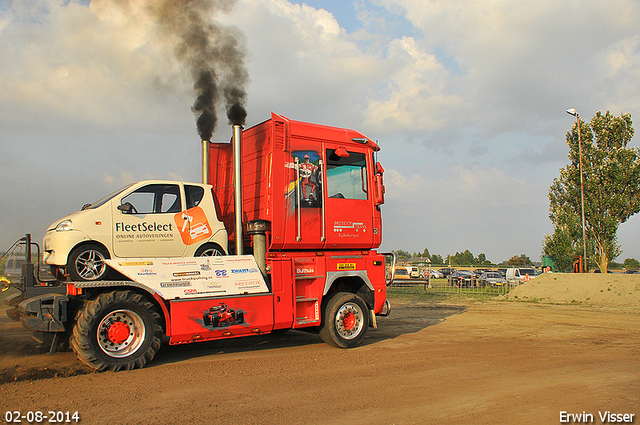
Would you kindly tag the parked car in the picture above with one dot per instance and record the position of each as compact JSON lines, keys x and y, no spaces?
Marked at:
{"x":446,"y":272}
{"x":435,"y":274}
{"x":478,"y":272}
{"x":401,"y":273}
{"x":491,"y":278}
{"x":503,"y":272}
{"x":515,"y":276}
{"x":413,"y":271}
{"x":462,"y":278}
{"x":13,"y":267}
{"x":632,"y":272}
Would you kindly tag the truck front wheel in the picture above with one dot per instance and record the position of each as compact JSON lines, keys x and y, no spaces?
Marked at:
{"x":345,"y":320}
{"x":118,"y":330}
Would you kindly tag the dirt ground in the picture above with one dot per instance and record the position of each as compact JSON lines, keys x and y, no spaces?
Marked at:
{"x":463,"y":362}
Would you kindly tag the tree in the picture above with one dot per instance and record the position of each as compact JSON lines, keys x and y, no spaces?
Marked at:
{"x":565,"y":243}
{"x":461,"y":258}
{"x":400,"y":254}
{"x":611,"y":175}
{"x":519,"y":260}
{"x":631,"y":264}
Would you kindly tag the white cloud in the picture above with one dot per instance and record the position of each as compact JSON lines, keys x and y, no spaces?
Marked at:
{"x":418,"y":97}
{"x":523,"y":59}
{"x":620,"y":66}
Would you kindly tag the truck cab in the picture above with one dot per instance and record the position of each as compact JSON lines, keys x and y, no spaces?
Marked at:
{"x":152,"y":218}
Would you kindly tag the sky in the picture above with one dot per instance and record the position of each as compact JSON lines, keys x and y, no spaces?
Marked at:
{"x":467,"y":101}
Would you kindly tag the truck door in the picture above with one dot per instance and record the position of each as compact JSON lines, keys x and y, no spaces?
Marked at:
{"x":348,"y":199}
{"x":145,"y":224}
{"x":303,"y":215}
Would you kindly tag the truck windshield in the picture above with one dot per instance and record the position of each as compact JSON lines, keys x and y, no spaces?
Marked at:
{"x":107,"y":198}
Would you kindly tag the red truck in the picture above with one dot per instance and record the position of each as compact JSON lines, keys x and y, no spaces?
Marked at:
{"x":301,"y":206}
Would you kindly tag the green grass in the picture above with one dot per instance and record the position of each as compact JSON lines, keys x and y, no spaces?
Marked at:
{"x":440,"y":297}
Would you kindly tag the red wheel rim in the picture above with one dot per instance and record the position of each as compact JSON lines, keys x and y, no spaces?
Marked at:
{"x":118,"y":332}
{"x":349,"y":321}
{"x":121,"y":333}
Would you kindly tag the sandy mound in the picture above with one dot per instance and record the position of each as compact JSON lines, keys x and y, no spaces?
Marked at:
{"x":615,"y":290}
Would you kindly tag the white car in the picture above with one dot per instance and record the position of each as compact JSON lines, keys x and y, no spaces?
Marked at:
{"x":516,"y":276}
{"x":152,"y":218}
{"x":413,"y":271}
{"x":435,"y":274}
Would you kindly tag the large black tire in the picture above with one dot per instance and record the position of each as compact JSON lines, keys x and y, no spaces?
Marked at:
{"x":86,"y":263}
{"x":118,"y":330}
{"x":345,"y":320}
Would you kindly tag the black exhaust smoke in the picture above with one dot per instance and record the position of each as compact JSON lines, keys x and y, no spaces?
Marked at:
{"x":214,"y":55}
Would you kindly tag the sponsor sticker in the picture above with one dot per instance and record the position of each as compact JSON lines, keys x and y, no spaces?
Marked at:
{"x":305,"y":270}
{"x":177,"y":284}
{"x":182,"y":274}
{"x":244,"y":271}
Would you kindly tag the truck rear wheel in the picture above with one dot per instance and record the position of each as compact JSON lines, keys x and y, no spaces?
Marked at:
{"x":118,"y":330}
{"x":345,"y":320}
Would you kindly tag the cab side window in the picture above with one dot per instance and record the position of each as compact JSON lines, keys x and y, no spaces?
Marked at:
{"x":194,"y":195}
{"x":154,"y":199}
{"x":346,"y":175}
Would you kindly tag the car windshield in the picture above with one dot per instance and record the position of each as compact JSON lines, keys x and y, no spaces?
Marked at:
{"x":108,"y":198}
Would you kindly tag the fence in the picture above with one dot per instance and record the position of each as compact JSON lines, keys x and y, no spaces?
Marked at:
{"x":443,"y":286}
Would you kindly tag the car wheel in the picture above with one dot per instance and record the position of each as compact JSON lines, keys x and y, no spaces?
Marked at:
{"x":209,"y":250}
{"x":86,"y":263}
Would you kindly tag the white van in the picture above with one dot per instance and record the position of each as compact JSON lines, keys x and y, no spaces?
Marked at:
{"x":152,"y":218}
{"x":515,"y":276}
{"x":414,"y":272}
{"x":13,"y":268}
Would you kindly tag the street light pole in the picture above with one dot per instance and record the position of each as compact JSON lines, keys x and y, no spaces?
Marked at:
{"x":585,"y":268}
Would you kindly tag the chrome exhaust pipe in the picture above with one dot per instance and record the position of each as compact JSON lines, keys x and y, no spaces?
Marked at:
{"x":258,"y":229}
{"x":237,"y":187}
{"x":205,"y":161}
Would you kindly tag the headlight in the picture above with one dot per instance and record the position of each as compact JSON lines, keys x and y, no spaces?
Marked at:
{"x":64,"y":226}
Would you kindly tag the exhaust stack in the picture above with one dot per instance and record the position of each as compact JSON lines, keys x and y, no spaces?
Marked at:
{"x":205,"y":161}
{"x":237,"y":186}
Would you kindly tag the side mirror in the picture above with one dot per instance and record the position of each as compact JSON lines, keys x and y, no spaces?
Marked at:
{"x":126,"y":208}
{"x":378,"y":194}
{"x":342,"y":152}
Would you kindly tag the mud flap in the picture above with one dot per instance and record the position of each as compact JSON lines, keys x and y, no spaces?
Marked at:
{"x":373,"y":323}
